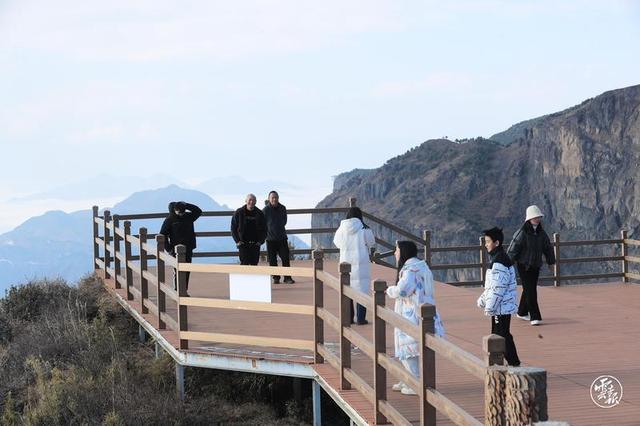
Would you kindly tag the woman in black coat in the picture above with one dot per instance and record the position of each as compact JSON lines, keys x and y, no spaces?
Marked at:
{"x":527,"y":247}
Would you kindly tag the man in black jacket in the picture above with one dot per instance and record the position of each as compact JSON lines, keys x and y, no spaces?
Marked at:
{"x":248,"y":230}
{"x":177,"y":229}
{"x":275,"y":215}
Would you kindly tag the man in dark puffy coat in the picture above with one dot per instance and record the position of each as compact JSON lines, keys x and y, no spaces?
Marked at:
{"x":177,"y":229}
{"x":528,"y":245}
{"x":249,"y":231}
{"x":275,"y":215}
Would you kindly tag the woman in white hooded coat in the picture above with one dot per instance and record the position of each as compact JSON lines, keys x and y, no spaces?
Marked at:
{"x":355,"y":241}
{"x":414,"y":287}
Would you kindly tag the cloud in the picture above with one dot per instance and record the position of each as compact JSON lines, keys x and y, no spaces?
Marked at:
{"x":161,"y":30}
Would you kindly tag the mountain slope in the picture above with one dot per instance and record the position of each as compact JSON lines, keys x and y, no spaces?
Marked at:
{"x":579,"y":165}
{"x":58,"y":244}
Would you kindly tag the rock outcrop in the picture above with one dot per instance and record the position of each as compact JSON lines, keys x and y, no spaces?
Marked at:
{"x":580,"y":166}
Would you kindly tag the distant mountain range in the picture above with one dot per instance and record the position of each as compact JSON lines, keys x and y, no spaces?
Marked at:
{"x":580,"y":165}
{"x":102,"y":186}
{"x":106,"y":186}
{"x":58,"y":244}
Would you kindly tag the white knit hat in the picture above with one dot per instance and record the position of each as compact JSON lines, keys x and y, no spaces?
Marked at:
{"x":533,"y":212}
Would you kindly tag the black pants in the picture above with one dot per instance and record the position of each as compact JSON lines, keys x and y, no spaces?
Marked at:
{"x":500,"y":325}
{"x":189,"y":257}
{"x":529,"y":299}
{"x":275,"y":249}
{"x":361,"y":312}
{"x":249,"y":253}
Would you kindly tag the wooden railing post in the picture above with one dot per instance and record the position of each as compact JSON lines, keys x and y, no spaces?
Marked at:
{"x":128,"y":272}
{"x":162,"y":304}
{"x":556,"y":252}
{"x":483,"y":260}
{"x":379,"y":347}
{"x":624,"y":252}
{"x":426,"y":236}
{"x":427,"y":364}
{"x":96,"y":247}
{"x":181,"y":255}
{"x":116,"y":249}
{"x":526,"y":396}
{"x":346,"y":316}
{"x":493,"y":347}
{"x":494,"y":383}
{"x":352,"y":201}
{"x":144,"y":284}
{"x":107,"y":237}
{"x":318,"y":303}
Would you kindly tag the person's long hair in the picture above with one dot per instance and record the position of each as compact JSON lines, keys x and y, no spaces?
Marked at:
{"x":408,"y":249}
{"x":356,"y":212}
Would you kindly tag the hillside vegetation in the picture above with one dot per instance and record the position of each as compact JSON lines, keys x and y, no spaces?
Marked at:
{"x":69,"y":355}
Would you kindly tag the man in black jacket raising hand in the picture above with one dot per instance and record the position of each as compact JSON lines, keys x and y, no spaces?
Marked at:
{"x":177,"y":229}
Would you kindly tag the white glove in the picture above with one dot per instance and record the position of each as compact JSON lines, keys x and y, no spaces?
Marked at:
{"x":480,"y":302}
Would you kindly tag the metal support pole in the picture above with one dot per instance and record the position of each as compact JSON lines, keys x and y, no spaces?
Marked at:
{"x":180,"y":381}
{"x":316,"y":392}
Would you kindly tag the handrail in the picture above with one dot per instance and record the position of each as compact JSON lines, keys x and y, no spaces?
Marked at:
{"x":632,"y":242}
{"x":590,"y":243}
{"x":451,"y":409}
{"x":168,"y":259}
{"x":394,"y":228}
{"x":246,"y":269}
{"x":331,"y":320}
{"x":275,"y":342}
{"x":398,"y":321}
{"x":284,"y":308}
{"x":581,"y":277}
{"x":454,"y":248}
{"x":226,"y":213}
{"x":453,"y":353}
{"x":358,"y":340}
{"x":386,"y":244}
{"x":455,"y":266}
{"x":357,"y":296}
{"x":591,"y":259}
{"x":328,"y":279}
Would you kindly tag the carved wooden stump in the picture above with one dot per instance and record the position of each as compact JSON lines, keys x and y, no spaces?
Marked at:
{"x":526,"y":395}
{"x":494,"y":396}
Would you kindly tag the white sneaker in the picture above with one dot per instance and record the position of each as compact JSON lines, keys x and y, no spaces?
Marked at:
{"x":398,"y":386}
{"x":406,"y":390}
{"x":536,"y":322}
{"x":524,"y":317}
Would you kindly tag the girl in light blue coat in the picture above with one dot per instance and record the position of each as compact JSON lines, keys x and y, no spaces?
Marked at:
{"x":414,"y":287}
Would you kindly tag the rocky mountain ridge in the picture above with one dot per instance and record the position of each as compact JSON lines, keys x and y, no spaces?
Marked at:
{"x":580,"y":166}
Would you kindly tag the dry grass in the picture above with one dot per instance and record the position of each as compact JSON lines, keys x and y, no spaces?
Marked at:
{"x":69,"y":355}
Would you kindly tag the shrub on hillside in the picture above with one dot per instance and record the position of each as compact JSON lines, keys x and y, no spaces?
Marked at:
{"x":68,"y":355}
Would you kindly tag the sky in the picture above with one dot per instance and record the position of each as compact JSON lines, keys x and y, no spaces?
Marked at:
{"x":289,"y":90}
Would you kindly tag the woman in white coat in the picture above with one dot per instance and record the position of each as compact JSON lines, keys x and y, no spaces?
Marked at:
{"x":414,"y":287}
{"x":355,"y":240}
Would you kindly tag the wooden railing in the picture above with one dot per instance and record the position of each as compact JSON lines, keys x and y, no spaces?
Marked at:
{"x":557,"y":277}
{"x":106,"y":223}
{"x":119,"y":264}
{"x":125,"y":266}
{"x":430,"y":400}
